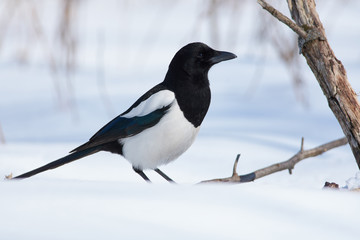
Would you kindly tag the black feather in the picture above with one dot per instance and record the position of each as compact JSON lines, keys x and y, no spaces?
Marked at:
{"x":57,"y":163}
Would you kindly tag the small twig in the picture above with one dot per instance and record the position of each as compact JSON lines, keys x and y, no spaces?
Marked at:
{"x":277,"y":167}
{"x":281,"y":17}
{"x":234,"y":177}
{"x":8,"y":177}
{"x":235,"y":164}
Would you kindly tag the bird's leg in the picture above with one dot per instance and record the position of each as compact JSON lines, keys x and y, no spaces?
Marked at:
{"x":142,"y":174}
{"x":164,"y":175}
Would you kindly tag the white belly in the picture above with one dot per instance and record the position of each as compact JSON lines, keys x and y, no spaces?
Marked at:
{"x":162,"y":143}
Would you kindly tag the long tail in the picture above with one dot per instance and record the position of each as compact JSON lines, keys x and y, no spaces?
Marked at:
{"x":57,"y":163}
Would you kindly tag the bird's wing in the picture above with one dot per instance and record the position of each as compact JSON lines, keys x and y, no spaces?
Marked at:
{"x":145,"y":113}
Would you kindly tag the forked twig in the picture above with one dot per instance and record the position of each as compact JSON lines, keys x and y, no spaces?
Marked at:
{"x":277,"y":167}
{"x":284,"y":19}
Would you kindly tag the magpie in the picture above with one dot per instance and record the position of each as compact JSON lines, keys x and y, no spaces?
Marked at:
{"x":163,"y":123}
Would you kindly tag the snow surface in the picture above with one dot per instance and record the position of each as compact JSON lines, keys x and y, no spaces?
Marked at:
{"x":100,"y":197}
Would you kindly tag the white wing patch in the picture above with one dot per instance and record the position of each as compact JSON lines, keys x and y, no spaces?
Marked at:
{"x":158,"y":100}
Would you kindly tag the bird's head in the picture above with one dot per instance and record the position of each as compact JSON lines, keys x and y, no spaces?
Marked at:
{"x":195,"y":60}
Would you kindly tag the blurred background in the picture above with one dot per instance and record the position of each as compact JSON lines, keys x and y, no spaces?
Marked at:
{"x":67,"y":67}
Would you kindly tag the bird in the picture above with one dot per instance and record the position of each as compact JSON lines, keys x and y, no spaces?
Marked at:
{"x":163,"y":123}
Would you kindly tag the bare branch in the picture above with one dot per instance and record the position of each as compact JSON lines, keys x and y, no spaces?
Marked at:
{"x":281,"y":17}
{"x":328,"y":70}
{"x":277,"y":167}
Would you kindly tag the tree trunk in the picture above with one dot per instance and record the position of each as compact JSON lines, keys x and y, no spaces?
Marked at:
{"x":329,"y":71}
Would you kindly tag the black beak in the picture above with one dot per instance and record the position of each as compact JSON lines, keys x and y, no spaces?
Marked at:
{"x":220,"y":56}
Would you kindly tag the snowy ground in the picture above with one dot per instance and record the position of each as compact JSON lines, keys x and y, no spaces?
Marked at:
{"x":101,"y":198}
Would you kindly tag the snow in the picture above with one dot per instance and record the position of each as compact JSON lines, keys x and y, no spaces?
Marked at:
{"x":100,"y":197}
{"x":69,"y":209}
{"x":353,"y":183}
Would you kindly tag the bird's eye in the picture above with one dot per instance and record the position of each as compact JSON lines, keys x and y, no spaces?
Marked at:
{"x":200,"y":55}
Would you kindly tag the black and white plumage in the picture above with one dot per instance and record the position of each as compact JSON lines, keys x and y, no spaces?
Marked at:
{"x":163,"y":123}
